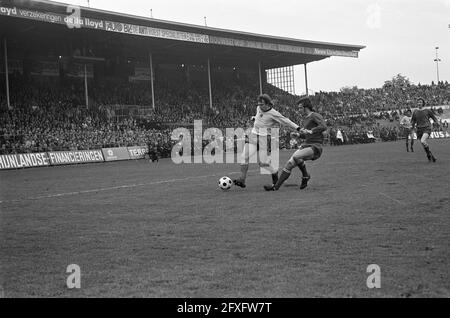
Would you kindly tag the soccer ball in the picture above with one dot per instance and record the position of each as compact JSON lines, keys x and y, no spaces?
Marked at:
{"x":225,"y":183}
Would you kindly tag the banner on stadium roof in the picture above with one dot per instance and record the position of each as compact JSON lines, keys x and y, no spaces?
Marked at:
{"x":329,"y":52}
{"x":26,"y":160}
{"x":115,"y":154}
{"x":155,"y":32}
{"x":74,"y":21}
{"x":279,"y":47}
{"x":137,"y":152}
{"x":74,"y":157}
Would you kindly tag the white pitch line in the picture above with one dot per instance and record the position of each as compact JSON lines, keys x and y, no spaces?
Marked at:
{"x":64,"y":194}
{"x":391,"y":198}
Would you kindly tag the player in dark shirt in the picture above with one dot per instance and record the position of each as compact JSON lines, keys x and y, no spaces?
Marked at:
{"x":421,"y":119}
{"x":152,"y":151}
{"x":311,"y":149}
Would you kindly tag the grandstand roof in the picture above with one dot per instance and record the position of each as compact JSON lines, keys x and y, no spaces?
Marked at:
{"x":167,"y":40}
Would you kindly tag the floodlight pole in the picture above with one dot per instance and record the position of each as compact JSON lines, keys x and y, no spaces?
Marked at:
{"x":209,"y":85}
{"x":6,"y":72}
{"x":260,"y":78}
{"x":437,"y":60}
{"x":86,"y":86}
{"x":306,"y":80}
{"x":151,"y":81}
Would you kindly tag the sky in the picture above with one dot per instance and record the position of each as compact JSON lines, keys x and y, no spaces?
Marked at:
{"x":400,"y":35}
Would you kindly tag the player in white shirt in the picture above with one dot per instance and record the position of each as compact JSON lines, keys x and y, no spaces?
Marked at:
{"x":266,"y":117}
{"x":405,"y":123}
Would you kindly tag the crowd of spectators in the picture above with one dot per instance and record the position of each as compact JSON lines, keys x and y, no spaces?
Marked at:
{"x":48,"y":116}
{"x":42,"y":129}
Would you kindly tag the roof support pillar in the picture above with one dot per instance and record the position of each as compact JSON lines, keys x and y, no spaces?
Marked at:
{"x":209,"y":85}
{"x":306,"y":80}
{"x":5,"y":44}
{"x":86,"y":86}
{"x":151,"y":80}
{"x":260,"y":78}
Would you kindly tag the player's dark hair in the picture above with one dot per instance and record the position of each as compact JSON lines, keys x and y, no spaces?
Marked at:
{"x":422,"y":100}
{"x":306,"y":102}
{"x":266,"y":99}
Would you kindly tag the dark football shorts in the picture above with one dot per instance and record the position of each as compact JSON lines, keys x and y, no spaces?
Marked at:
{"x":421,"y":131}
{"x":317,"y":149}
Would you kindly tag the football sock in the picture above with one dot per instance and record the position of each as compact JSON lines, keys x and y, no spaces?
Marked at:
{"x":274,"y":178}
{"x":427,"y":150}
{"x":302,"y":168}
{"x":244,"y":170}
{"x":430,"y":153}
{"x":283,"y":177}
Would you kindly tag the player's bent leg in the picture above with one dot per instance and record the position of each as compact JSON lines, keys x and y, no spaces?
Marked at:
{"x":304,"y":154}
{"x":301,"y":154}
{"x":426,"y":147}
{"x":308,"y":154}
{"x":244,"y":167}
{"x":269,"y":168}
{"x":265,"y":164}
{"x":305,"y":175}
{"x":285,"y":173}
{"x":247,"y":153}
{"x":406,"y":135}
{"x":424,"y":140}
{"x":240,"y":182}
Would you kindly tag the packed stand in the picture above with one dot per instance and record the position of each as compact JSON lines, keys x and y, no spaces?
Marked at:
{"x":47,"y":116}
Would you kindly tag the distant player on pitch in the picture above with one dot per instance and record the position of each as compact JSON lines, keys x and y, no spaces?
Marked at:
{"x":266,"y":117}
{"x":421,"y":119}
{"x":405,"y":122}
{"x":312,"y":131}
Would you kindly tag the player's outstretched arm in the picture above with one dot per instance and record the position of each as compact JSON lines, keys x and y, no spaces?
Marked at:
{"x":284,"y":120}
{"x":433,"y":116}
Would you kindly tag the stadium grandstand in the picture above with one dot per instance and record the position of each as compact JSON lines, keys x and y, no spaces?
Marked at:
{"x":114,"y":182}
{"x":77,"y":78}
